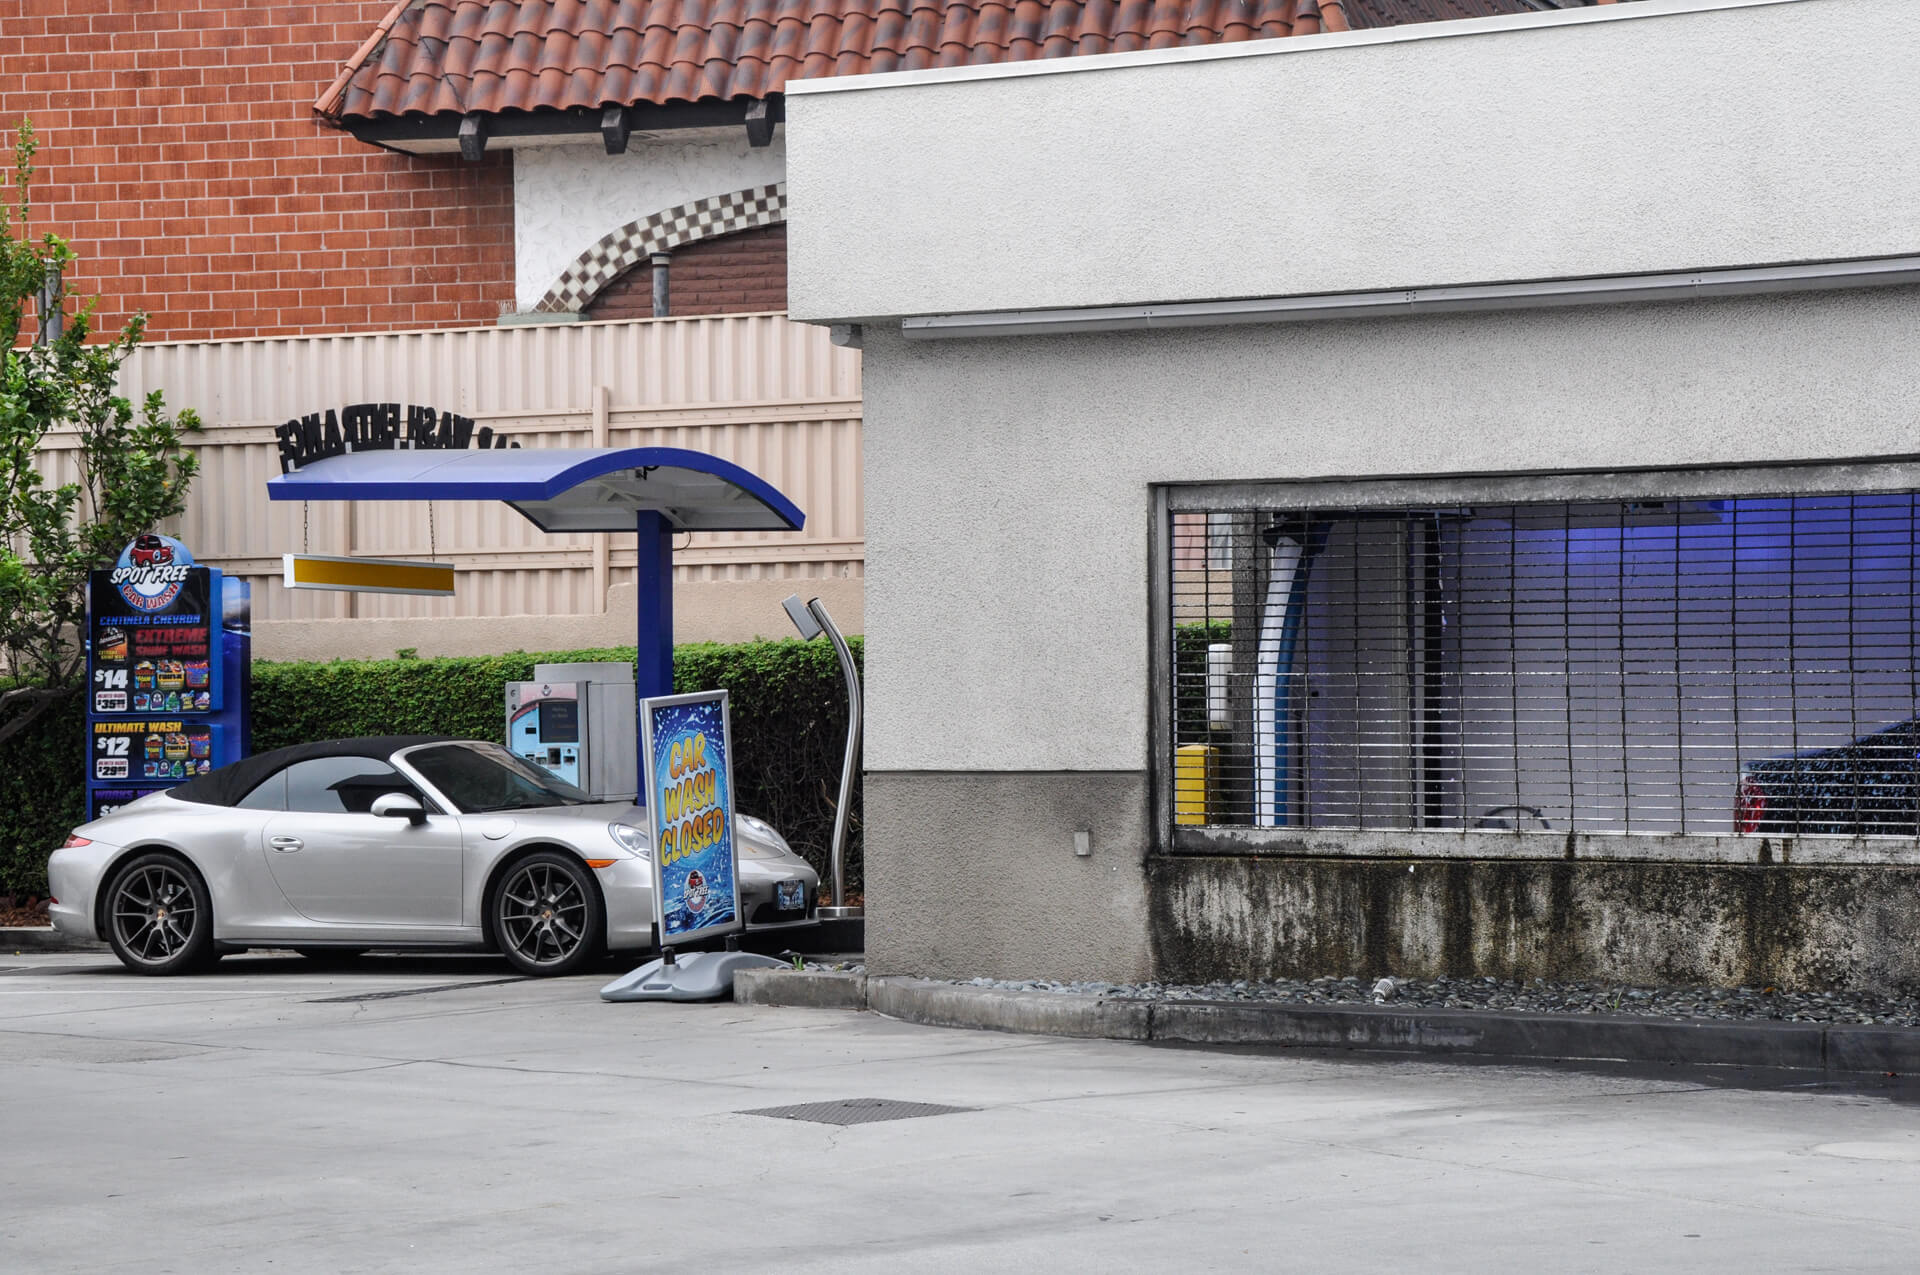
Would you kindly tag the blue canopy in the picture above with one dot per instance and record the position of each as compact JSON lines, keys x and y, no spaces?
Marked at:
{"x":561,"y":488}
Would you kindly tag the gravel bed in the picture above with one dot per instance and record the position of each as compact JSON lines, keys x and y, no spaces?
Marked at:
{"x":1538,"y":996}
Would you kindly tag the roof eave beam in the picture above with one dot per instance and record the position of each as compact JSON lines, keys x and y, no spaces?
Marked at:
{"x":473,"y":138}
{"x":439,"y":134}
{"x":614,"y":129}
{"x":759,"y":124}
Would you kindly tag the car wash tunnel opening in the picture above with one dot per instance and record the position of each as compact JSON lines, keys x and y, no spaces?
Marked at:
{"x":1705,"y":666}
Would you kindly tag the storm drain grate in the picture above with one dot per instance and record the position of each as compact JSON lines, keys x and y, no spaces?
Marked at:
{"x":856,"y":1111}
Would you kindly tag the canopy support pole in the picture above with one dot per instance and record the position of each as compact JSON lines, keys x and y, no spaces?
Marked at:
{"x":653,"y":668}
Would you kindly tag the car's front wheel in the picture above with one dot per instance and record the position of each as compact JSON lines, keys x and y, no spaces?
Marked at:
{"x":159,"y":918}
{"x":547,"y":918}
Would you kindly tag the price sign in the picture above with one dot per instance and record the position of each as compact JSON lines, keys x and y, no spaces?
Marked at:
{"x":151,"y":749}
{"x":154,"y":636}
{"x":105,"y":801}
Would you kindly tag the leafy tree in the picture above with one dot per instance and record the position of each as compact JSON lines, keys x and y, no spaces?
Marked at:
{"x":131,"y":466}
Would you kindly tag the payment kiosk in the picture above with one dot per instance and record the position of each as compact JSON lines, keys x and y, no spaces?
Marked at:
{"x":576,"y":720}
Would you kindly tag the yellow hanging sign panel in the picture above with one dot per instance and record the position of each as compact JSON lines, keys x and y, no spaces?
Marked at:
{"x":368,"y":575}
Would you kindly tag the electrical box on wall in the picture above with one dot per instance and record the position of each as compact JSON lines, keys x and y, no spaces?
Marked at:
{"x":578,"y":721}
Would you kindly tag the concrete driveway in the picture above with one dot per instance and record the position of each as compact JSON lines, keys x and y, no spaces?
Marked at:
{"x":441,"y":1115}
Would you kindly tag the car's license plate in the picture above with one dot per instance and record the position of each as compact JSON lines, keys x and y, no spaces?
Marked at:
{"x":790,"y":895}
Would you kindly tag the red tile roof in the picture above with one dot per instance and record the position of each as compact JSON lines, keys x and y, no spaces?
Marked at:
{"x":454,"y":57}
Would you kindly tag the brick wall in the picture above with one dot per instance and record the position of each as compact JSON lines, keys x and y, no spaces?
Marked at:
{"x":180,"y":155}
{"x":734,"y":274}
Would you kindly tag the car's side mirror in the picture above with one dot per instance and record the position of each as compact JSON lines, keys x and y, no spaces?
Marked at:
{"x":400,"y":805}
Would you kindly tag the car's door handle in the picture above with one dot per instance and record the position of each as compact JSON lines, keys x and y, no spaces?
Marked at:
{"x":286,"y":845}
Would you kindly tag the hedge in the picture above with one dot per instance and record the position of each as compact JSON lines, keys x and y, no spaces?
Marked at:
{"x":789,"y":712}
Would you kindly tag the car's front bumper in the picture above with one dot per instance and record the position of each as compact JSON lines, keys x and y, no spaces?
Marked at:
{"x":628,"y":887}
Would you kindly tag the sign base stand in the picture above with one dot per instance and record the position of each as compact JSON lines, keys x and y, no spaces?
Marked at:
{"x":696,"y":976}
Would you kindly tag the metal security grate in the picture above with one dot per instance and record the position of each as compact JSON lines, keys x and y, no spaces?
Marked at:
{"x":846,"y":1111}
{"x":1718,"y":666}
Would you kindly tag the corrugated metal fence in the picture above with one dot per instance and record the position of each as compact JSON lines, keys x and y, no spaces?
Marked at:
{"x":774,"y":396}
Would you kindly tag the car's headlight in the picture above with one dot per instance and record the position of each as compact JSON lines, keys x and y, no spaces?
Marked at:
{"x":630,"y":838}
{"x":763,"y":830}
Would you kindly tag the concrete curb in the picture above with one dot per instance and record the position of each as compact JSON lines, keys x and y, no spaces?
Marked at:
{"x":936,"y":1004}
{"x":795,"y":989}
{"x":1386,"y":1029}
{"x":44,"y":938}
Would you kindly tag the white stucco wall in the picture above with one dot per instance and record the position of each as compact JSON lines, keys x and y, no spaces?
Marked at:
{"x":1008,"y":482}
{"x":1658,"y":135}
{"x":566,"y":198}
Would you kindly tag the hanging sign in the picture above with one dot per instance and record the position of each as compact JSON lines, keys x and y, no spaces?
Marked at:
{"x":688,"y":755}
{"x":373,"y":427}
{"x":152,"y":635}
{"x":368,"y":575}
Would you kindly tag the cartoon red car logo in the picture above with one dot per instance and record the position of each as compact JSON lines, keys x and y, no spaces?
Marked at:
{"x":150,"y":551}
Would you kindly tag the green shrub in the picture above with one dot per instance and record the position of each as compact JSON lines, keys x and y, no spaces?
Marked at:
{"x":42,"y":795}
{"x":789,"y":715}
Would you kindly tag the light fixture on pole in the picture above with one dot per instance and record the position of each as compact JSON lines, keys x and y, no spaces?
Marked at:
{"x":812,"y":619}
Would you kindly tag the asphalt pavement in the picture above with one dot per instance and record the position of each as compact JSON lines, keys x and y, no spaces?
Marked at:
{"x":444,"y":1115}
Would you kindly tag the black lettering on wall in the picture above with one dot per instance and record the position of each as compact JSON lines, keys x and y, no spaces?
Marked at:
{"x":359,"y":422}
{"x":422,"y":424}
{"x":360,"y":427}
{"x":287,"y":438}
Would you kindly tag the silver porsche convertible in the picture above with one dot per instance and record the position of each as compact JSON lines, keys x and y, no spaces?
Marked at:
{"x":402,"y":842}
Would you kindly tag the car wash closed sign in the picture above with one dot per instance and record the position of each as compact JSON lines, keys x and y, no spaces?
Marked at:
{"x":373,"y":427}
{"x":689,"y":764}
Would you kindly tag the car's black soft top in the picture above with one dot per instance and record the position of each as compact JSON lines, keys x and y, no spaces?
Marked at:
{"x":227,"y":785}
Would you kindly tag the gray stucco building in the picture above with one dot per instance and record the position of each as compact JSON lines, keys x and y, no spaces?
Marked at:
{"x":1438,"y":499}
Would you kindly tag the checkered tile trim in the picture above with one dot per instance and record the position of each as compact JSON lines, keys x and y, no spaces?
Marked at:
{"x":666,"y":230}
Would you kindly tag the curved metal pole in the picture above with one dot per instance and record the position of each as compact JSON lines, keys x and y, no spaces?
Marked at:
{"x":840,"y":908}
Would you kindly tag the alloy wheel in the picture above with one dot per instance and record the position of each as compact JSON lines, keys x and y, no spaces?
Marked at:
{"x":155,"y":914}
{"x":543,"y":914}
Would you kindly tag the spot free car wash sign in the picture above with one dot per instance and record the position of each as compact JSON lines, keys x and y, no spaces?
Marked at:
{"x":688,"y":751}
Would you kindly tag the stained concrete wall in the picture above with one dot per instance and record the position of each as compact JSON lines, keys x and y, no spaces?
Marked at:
{"x":979,"y":875}
{"x":1633,"y":923}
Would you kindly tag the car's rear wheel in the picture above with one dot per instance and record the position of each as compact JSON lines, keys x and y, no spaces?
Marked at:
{"x":159,"y":918}
{"x":547,"y":918}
